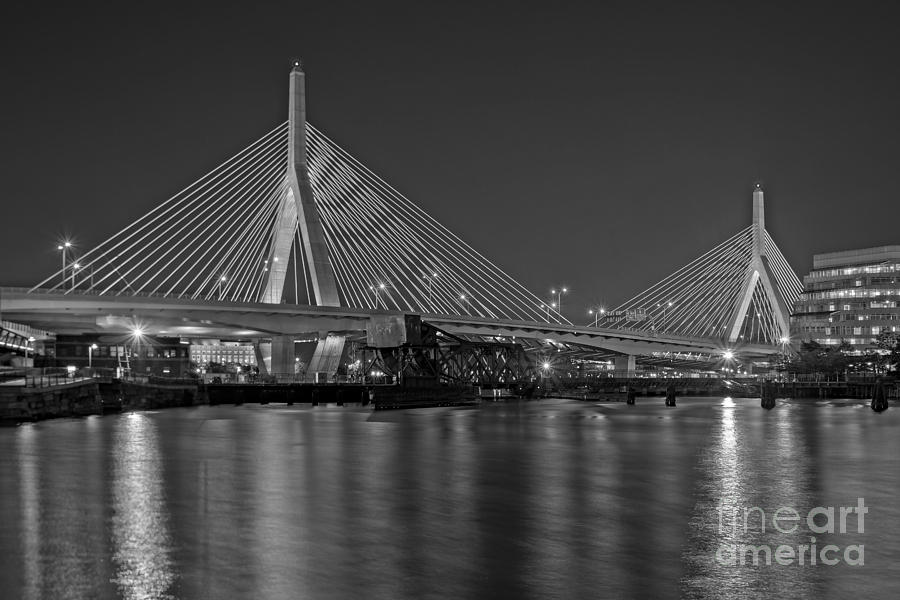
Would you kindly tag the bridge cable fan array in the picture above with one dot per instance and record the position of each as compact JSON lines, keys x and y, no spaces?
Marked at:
{"x":213,"y":241}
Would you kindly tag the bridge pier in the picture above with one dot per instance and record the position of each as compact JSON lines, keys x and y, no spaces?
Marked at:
{"x":625,"y":363}
{"x":283,"y":356}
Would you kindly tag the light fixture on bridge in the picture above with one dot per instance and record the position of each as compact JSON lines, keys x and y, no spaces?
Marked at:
{"x":559,"y":293}
{"x":728,"y":355}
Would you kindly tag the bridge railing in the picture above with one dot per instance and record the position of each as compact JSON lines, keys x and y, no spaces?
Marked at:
{"x":40,"y":380}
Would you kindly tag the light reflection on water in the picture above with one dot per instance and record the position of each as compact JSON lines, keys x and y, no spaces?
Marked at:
{"x":140,"y":535}
{"x":29,"y":489}
{"x":551,"y":499}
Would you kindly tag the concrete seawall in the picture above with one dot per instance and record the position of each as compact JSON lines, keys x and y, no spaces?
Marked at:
{"x":36,"y":403}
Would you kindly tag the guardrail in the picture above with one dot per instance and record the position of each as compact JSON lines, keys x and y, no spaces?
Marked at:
{"x":41,"y":381}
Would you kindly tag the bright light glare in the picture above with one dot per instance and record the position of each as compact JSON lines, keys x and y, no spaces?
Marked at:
{"x":728,"y":355}
{"x":546,"y":366}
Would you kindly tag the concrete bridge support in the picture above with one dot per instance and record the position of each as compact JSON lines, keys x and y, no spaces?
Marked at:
{"x":625,"y":364}
{"x":283,"y":356}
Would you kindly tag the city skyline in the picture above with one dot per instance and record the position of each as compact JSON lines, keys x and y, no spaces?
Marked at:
{"x":625,"y":175}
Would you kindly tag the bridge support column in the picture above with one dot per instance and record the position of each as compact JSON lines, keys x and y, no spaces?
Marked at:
{"x":263,"y":352}
{"x":326,"y":358}
{"x":625,"y":364}
{"x":283,"y":356}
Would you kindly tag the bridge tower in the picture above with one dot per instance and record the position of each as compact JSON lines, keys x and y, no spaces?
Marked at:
{"x":299,"y":211}
{"x":738,"y":293}
{"x":759,"y":275}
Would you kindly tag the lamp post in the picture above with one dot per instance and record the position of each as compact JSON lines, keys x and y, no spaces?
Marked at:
{"x":63,"y":247}
{"x":665,"y":306}
{"x":91,"y":349}
{"x":375,"y":289}
{"x":597,"y":312}
{"x":28,"y":347}
{"x":558,"y":293}
{"x":464,"y":302}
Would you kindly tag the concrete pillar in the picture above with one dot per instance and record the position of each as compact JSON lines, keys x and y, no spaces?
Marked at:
{"x":321,"y":272}
{"x":300,"y":211}
{"x":263,"y":351}
{"x":283,"y":356}
{"x":625,"y":363}
{"x":759,"y":216}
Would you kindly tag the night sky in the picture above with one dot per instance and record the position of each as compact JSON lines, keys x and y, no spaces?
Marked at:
{"x":600,"y":146}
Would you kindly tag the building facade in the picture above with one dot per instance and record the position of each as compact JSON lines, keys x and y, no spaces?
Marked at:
{"x":144,"y":355}
{"x":224,"y":353}
{"x":850,"y":296}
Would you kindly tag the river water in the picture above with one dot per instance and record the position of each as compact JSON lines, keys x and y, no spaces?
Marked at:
{"x":540,"y":499}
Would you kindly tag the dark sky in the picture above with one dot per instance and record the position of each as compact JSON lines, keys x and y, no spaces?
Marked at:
{"x":598,"y":145}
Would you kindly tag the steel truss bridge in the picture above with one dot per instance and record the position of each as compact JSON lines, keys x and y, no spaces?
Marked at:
{"x":293,"y":235}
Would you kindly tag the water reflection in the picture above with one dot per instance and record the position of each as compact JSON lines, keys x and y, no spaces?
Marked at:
{"x":140,"y":532}
{"x":29,"y":491}
{"x":526,"y":500}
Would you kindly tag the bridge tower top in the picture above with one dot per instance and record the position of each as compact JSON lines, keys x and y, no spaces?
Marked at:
{"x":759,"y":209}
{"x":297,"y":120}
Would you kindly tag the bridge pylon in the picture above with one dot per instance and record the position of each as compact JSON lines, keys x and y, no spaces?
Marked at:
{"x":759,"y":276}
{"x":299,"y":210}
{"x":740,"y":292}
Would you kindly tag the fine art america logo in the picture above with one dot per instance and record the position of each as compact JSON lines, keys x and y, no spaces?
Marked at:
{"x":753,"y":522}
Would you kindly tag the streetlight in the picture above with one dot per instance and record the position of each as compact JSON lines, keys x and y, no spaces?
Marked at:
{"x":222,"y":280}
{"x":27,"y":347}
{"x":597,"y":312}
{"x":375,"y":290}
{"x":65,"y":245}
{"x":91,"y":349}
{"x":464,"y":302}
{"x":785,"y":340}
{"x":664,"y":305}
{"x":559,"y":293}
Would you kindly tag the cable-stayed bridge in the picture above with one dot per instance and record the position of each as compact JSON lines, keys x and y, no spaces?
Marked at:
{"x":293,"y":235}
